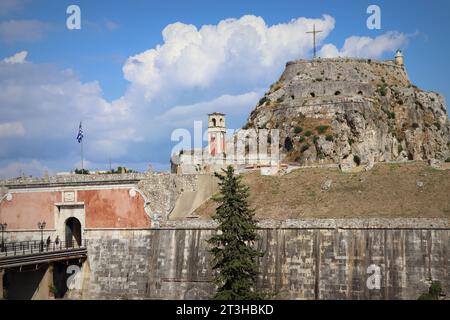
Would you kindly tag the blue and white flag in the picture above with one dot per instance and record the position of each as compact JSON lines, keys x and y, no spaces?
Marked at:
{"x":80,"y":134}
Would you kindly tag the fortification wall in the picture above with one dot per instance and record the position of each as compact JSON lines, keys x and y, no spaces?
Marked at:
{"x":346,"y":69}
{"x":311,"y":259}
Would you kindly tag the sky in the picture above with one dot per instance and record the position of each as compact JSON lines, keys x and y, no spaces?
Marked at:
{"x":137,"y":70}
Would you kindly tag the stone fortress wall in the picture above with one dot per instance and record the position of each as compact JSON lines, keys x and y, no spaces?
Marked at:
{"x":315,"y":259}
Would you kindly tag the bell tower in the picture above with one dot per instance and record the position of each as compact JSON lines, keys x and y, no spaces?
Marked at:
{"x":216,"y":133}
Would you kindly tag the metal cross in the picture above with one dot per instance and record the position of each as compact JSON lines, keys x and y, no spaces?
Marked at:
{"x":314,"y":38}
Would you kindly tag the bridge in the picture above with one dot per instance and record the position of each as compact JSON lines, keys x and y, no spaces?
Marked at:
{"x":35,"y":252}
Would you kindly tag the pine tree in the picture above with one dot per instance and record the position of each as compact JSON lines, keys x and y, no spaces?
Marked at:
{"x":234,"y":256}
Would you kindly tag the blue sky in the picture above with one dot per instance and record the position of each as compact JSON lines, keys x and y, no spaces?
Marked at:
{"x":131,"y":95}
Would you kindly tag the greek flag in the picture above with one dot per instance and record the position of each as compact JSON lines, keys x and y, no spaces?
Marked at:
{"x":80,"y":134}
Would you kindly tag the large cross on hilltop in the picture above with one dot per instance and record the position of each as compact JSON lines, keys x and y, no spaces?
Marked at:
{"x":314,"y":38}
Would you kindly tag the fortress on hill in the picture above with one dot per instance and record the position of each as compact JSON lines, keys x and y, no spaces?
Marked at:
{"x":143,"y":235}
{"x":341,"y":111}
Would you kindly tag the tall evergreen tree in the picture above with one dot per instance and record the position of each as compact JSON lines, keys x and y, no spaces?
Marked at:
{"x":234,"y":256}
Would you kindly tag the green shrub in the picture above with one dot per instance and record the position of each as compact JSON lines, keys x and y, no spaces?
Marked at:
{"x":315,"y":139}
{"x":263,"y":100}
{"x":297,"y":130}
{"x":447,"y":160}
{"x":308,"y":133}
{"x":329,"y":137}
{"x":437,"y":125}
{"x":321,"y":129}
{"x":399,"y":148}
{"x":357,"y":160}
{"x":433,"y":292}
{"x":81,"y":171}
{"x":382,"y":88}
{"x":301,"y":139}
{"x":304,"y":147}
{"x":288,"y":145}
{"x":350,"y":141}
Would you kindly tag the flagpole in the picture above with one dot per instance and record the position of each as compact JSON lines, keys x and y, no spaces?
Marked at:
{"x":82,"y":164}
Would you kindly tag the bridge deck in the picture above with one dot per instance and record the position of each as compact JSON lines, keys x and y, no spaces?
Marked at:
{"x":23,"y":254}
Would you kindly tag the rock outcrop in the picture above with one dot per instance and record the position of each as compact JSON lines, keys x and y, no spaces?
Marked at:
{"x":353,"y":111}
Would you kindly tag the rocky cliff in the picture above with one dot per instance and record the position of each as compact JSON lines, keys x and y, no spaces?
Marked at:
{"x":353,"y":111}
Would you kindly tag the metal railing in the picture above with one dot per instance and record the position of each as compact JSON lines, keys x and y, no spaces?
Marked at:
{"x":37,"y":246}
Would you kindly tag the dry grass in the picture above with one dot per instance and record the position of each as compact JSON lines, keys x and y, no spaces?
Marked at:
{"x":388,"y":190}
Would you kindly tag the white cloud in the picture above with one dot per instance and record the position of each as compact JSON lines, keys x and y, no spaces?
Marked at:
{"x":366,"y":47}
{"x":234,"y":53}
{"x":22,"y":30}
{"x":49,"y":103}
{"x":184,"y":116}
{"x":19,"y":57}
{"x":17,"y":169}
{"x":11,"y":129}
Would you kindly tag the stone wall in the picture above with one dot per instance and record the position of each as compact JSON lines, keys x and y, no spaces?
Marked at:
{"x":304,"y":260}
{"x":345,"y":69}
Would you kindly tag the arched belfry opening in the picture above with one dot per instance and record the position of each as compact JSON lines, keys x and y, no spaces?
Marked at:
{"x":73,"y":232}
{"x":214,"y":121}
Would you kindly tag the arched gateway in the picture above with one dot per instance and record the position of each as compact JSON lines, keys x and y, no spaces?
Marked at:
{"x":73,"y":232}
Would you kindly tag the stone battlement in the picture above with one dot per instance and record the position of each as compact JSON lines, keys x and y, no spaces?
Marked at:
{"x":77,"y":179}
{"x":385,"y":63}
{"x":346,"y":69}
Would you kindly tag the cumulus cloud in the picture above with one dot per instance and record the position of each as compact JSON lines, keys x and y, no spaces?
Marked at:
{"x":22,"y":30}
{"x":366,"y":47}
{"x":235,"y":53}
{"x":19,"y":57}
{"x":49,"y":103}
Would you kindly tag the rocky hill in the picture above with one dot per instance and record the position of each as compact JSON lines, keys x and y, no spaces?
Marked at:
{"x":353,"y":111}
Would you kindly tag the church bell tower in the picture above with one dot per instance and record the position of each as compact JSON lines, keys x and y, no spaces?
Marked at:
{"x":216,"y":133}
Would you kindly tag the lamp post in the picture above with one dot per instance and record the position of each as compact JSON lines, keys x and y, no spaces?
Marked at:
{"x":41,"y":226}
{"x":3,"y":228}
